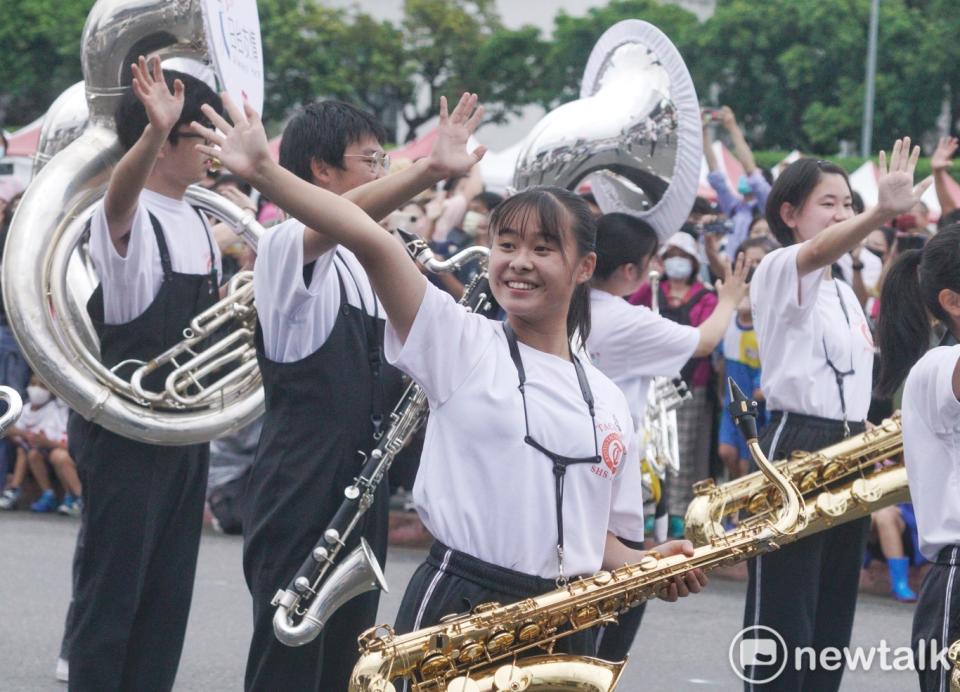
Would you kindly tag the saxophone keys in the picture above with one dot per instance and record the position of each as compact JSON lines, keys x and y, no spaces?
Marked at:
{"x":602,"y":578}
{"x":649,"y":561}
{"x":500,"y":641}
{"x":834,"y":470}
{"x":434,"y":665}
{"x":511,"y":678}
{"x":809,"y":481}
{"x":830,"y":505}
{"x":866,"y":491}
{"x":529,"y":632}
{"x":470,"y":652}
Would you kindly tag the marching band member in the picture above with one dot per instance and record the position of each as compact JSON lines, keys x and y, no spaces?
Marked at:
{"x":817,"y":356}
{"x":143,"y":503}
{"x":921,"y":287}
{"x":521,"y":480}
{"x":632,"y":345}
{"x":319,"y":344}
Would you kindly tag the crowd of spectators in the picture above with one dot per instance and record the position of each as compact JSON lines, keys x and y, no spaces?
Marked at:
{"x":35,"y":453}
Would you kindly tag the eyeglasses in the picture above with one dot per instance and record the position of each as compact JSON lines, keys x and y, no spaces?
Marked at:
{"x":376,"y":160}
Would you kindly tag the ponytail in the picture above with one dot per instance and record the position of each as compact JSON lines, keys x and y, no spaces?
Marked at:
{"x":578,"y":318}
{"x":910,"y":300}
{"x":903,"y":329}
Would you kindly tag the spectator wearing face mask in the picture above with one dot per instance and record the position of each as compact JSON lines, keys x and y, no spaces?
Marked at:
{"x":41,"y":439}
{"x":685,"y":300}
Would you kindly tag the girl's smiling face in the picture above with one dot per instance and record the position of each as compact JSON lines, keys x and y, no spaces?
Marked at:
{"x":534,"y":270}
{"x":829,"y":203}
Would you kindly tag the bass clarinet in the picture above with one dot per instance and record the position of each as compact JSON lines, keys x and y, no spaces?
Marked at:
{"x":321,"y":586}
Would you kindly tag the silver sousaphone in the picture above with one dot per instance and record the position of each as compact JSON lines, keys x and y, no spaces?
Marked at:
{"x":634,"y":132}
{"x":47,"y":277}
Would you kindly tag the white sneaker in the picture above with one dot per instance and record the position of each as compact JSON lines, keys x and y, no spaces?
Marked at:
{"x":63,"y":670}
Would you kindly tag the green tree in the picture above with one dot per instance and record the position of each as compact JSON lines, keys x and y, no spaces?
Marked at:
{"x":793,"y":70}
{"x":40,"y":56}
{"x":313,"y":52}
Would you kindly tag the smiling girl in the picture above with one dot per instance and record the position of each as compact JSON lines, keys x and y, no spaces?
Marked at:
{"x":817,"y":356}
{"x":521,"y":481}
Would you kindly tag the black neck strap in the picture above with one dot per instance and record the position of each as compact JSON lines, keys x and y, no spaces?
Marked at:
{"x":838,"y":374}
{"x":560,"y":462}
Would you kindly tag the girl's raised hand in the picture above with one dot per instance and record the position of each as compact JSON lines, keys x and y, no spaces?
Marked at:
{"x":242,"y":146}
{"x":896,"y":192}
{"x":734,"y":284}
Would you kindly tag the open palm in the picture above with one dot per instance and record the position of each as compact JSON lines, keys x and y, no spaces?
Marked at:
{"x":163,"y":107}
{"x":449,"y":154}
{"x":242,"y":146}
{"x":896,"y":192}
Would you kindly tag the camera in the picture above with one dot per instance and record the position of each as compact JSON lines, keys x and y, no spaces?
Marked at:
{"x":718,"y":227}
{"x":712,"y":115}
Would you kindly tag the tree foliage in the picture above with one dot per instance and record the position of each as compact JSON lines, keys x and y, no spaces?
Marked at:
{"x":40,"y":56}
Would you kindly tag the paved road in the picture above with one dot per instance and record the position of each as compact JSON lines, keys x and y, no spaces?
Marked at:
{"x":682,"y":646}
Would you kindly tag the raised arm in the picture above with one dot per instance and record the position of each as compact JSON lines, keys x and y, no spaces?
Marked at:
{"x":131,"y":172}
{"x":740,"y":147}
{"x":730,"y":291}
{"x":897,"y":195}
{"x":243,"y":149}
{"x":380,"y":197}
{"x":940,"y":162}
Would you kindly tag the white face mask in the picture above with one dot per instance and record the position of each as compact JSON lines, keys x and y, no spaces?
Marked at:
{"x":38,"y":395}
{"x":678,"y":268}
{"x":471,"y":222}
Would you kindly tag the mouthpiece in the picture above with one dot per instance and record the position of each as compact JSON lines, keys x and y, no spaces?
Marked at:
{"x":743,"y":410}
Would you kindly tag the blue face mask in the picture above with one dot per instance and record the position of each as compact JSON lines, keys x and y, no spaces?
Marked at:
{"x":743,"y":186}
{"x":678,"y":268}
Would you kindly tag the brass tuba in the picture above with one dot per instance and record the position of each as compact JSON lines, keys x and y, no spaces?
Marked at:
{"x":47,"y":278}
{"x":14,"y":408}
{"x":634,"y":133}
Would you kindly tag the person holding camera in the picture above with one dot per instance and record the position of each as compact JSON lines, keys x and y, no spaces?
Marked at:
{"x":753,"y":188}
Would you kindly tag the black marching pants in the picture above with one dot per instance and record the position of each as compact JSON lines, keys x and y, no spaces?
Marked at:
{"x":135,"y":562}
{"x":936,"y":621}
{"x":807,"y":590}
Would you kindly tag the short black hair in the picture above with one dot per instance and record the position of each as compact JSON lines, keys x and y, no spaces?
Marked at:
{"x":488,"y":199}
{"x":857,"y":201}
{"x":323,"y":131}
{"x":622,"y":239}
{"x":766,"y":242}
{"x":794,"y":186}
{"x":948,"y":219}
{"x":131,"y":119}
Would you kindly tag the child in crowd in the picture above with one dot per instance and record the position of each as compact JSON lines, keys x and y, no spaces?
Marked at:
{"x":40,"y":437}
{"x":739,"y":356}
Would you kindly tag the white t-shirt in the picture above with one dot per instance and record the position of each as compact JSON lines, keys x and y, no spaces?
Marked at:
{"x":131,"y":283}
{"x":297,"y":319}
{"x":872,"y":268}
{"x":631,"y":345}
{"x":794,"y":318}
{"x":931,"y":445}
{"x":480,"y":488}
{"x":50,"y":419}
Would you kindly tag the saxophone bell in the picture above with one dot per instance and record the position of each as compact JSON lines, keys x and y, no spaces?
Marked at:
{"x":359,"y":573}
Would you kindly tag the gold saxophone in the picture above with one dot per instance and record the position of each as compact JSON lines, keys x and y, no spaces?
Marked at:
{"x":839,"y":483}
{"x":480,"y":651}
{"x":953,"y":654}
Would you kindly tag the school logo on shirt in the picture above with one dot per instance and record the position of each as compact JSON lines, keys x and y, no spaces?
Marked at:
{"x":613,"y":451}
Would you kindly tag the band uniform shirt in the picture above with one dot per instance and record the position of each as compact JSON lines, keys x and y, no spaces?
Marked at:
{"x":795,"y":317}
{"x":931,"y":444}
{"x":632,"y":345}
{"x":480,"y":489}
{"x":50,"y":419}
{"x":131,"y":283}
{"x":296,"y":319}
